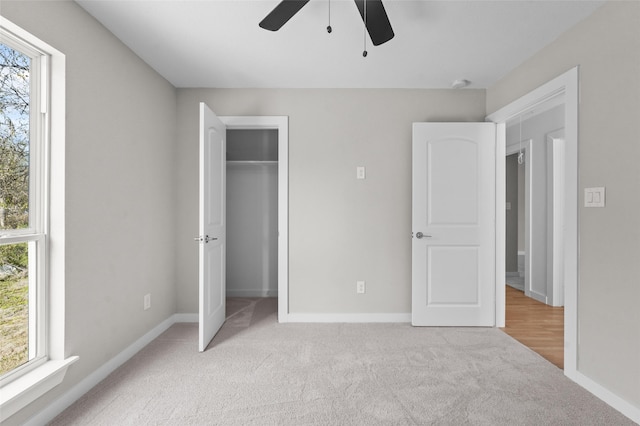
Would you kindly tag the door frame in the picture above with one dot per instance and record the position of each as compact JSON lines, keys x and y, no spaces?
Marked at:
{"x":281,"y":124}
{"x":555,"y":156}
{"x":568,"y":85}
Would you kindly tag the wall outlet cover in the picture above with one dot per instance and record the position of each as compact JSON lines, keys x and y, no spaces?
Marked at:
{"x":147,"y":301}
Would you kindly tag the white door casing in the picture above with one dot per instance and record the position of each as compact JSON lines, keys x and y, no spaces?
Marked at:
{"x":212,"y":226}
{"x":280,"y":123}
{"x":453,"y":259}
{"x":568,"y":85}
{"x":555,"y":220}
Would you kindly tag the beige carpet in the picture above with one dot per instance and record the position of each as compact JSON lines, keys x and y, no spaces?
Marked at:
{"x":259,"y":372}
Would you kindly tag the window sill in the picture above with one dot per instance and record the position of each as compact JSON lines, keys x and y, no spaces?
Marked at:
{"x":23,"y":391}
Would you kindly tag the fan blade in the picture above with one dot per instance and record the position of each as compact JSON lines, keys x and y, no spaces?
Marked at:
{"x":281,"y":14}
{"x":377,"y":21}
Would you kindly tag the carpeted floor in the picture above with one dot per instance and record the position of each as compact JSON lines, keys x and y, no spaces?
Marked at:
{"x":259,"y":372}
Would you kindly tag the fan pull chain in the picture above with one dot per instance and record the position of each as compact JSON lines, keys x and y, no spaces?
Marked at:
{"x":520,"y":154}
{"x":329,"y":29}
{"x":364,"y":52}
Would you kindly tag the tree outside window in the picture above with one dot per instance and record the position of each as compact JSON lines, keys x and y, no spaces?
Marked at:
{"x":14,"y":206}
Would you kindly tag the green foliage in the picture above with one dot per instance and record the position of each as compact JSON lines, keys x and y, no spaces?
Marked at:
{"x":15,"y":255}
{"x":14,"y":323}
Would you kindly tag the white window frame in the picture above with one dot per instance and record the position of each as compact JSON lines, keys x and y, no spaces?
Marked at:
{"x":46,"y":223}
{"x":35,"y":234}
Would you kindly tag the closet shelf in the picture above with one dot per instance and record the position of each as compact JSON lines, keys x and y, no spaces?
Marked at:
{"x":247,"y":162}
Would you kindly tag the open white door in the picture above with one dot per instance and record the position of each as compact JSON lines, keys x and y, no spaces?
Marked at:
{"x":212,"y":228}
{"x":453,"y":245}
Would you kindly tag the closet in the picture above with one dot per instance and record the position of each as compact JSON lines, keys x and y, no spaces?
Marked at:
{"x":252,"y":213}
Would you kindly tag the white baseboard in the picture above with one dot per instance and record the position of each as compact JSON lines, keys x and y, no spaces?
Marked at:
{"x":73,"y":394}
{"x":347,"y":318}
{"x":626,"y":408}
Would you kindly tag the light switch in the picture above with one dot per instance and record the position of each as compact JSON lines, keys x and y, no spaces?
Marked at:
{"x":594,"y":197}
{"x":508,"y":204}
{"x":360,"y":172}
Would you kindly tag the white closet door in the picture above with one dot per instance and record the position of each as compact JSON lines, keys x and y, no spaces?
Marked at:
{"x":212,"y":225}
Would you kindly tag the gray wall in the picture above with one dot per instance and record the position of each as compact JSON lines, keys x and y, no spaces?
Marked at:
{"x":340,"y":229}
{"x":511,"y":244}
{"x":606,"y":46}
{"x":120,"y":137}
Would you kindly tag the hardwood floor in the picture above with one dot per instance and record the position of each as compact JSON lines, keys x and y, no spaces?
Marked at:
{"x":536,"y":325}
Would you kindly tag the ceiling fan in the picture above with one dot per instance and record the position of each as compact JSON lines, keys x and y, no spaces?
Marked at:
{"x":372,"y":11}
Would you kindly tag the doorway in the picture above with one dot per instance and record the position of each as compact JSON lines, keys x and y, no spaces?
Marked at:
{"x":567,"y":86}
{"x":533,"y":247}
{"x":257,"y":173}
{"x":534,"y":205}
{"x":252,"y":213}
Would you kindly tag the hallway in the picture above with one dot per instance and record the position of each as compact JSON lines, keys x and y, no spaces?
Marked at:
{"x":536,"y":325}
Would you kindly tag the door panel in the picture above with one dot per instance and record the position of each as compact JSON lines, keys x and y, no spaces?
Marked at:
{"x":443,"y":265}
{"x":212,"y":226}
{"x":453,"y":261}
{"x":451,"y":199}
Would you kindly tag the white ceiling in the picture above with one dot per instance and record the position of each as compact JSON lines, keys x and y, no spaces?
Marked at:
{"x":217,"y":43}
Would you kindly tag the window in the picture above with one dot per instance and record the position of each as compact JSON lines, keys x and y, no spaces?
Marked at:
{"x":23,"y":206}
{"x":32,"y":239}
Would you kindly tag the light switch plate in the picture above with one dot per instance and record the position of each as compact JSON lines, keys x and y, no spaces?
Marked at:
{"x":594,"y":197}
{"x":360,"y":172}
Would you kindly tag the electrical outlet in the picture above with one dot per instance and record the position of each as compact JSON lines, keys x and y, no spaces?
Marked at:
{"x":147,"y":301}
{"x":360,"y":172}
{"x":360,"y":287}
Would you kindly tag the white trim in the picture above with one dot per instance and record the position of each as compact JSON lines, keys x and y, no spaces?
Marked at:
{"x":609,"y":397}
{"x":349,"y":318}
{"x":77,"y":391}
{"x":31,"y":386}
{"x":555,"y":197}
{"x":281,"y":123}
{"x":501,"y":218}
{"x":566,"y":83}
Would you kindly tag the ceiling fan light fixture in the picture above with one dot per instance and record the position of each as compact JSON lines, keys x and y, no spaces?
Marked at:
{"x":459,"y":84}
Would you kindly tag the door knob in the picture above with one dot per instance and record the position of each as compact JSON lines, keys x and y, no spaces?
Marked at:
{"x":205,"y":239}
{"x":420,"y":235}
